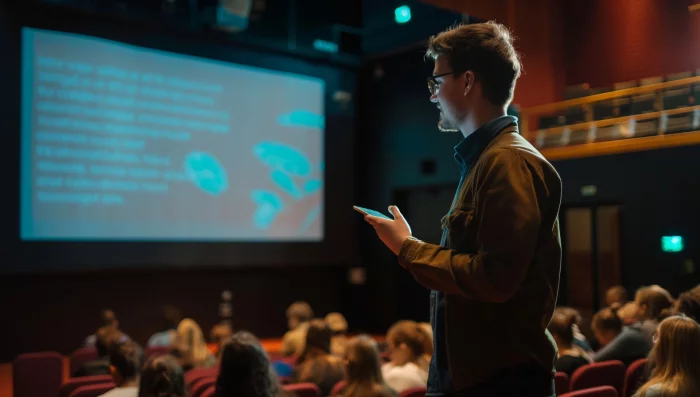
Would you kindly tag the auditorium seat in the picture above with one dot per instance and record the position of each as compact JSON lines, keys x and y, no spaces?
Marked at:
{"x":72,"y":384}
{"x":92,"y":390}
{"x":80,"y":357}
{"x":561,"y":383}
{"x":303,"y":390}
{"x":201,"y":385}
{"x":337,"y":388}
{"x":635,"y":376}
{"x":678,"y":97}
{"x":600,"y":391}
{"x":156,"y":351}
{"x":209,"y":392}
{"x":37,"y":374}
{"x":606,"y":373}
{"x":414,"y":392}
{"x":196,"y":374}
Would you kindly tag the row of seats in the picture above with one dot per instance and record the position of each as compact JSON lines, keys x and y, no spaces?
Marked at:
{"x":672,"y":98}
{"x":49,"y":382}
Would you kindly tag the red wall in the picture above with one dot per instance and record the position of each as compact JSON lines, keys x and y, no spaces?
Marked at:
{"x":614,"y":41}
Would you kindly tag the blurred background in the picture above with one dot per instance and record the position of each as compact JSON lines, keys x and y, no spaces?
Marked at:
{"x":609,"y":94}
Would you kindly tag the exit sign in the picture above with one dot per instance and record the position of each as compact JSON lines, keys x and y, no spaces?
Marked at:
{"x":672,"y":243}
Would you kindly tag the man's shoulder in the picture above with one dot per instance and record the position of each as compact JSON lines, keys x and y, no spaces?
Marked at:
{"x":513,"y":148}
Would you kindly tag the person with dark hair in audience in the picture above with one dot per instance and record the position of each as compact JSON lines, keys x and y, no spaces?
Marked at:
{"x":675,"y":360}
{"x":580,"y":340}
{"x":618,"y":342}
{"x":107,"y":319}
{"x":105,"y":337}
{"x":298,"y":316}
{"x":406,"y":346}
{"x":125,"y":359}
{"x":616,"y":294}
{"x":316,"y":364}
{"x":363,"y":376}
{"x":171,"y":318}
{"x":570,"y":357}
{"x":688,"y":303}
{"x":245,"y":369}
{"x":653,"y":305}
{"x":162,"y":376}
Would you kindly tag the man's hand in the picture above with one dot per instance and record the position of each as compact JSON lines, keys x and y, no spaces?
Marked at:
{"x":392,"y":232}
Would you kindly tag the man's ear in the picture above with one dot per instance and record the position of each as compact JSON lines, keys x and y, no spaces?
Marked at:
{"x":468,"y":81}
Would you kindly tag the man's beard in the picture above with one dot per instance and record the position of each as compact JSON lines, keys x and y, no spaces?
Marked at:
{"x":446,"y":126}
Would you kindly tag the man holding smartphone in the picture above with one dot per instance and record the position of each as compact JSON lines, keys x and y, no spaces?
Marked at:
{"x":495,"y":275}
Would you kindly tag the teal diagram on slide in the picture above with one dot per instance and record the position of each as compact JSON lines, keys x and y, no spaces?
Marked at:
{"x":206,"y":172}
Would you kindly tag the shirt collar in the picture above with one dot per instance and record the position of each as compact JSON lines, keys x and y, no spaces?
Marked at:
{"x":471,"y":147}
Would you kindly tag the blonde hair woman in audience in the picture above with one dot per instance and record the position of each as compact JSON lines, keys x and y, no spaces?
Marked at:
{"x":317,"y":365}
{"x":339,"y":327}
{"x":406,"y":345}
{"x":190,"y":346}
{"x":363,"y":376}
{"x":653,"y":305}
{"x":675,"y":359}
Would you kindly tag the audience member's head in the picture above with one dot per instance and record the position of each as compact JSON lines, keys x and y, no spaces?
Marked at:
{"x":171,"y":317}
{"x":108,"y":318}
{"x":363,"y":374}
{"x":162,"y":376}
{"x":298,"y":313}
{"x":616,"y":294}
{"x":606,"y":324}
{"x":675,"y":358}
{"x":125,"y":362}
{"x":318,"y":340}
{"x":653,"y":303}
{"x":337,"y":323}
{"x":190,"y":346}
{"x":406,"y":342}
{"x":245,"y":369}
{"x":105,"y":337}
{"x":688,"y":303}
{"x":562,"y":327}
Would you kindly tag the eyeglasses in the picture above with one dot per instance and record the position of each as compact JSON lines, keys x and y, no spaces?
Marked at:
{"x":433,"y":84}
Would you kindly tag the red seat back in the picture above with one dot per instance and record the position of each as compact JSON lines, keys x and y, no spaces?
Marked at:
{"x":209,"y":392}
{"x":92,"y":390}
{"x":71,"y":384}
{"x":414,"y":392}
{"x":600,"y":391}
{"x":303,"y":390}
{"x":196,"y":374}
{"x":37,"y":374}
{"x":80,"y":357}
{"x":561,"y":383}
{"x":201,"y":385}
{"x":337,"y":388}
{"x":156,"y":351}
{"x":635,"y":377}
{"x":606,"y":373}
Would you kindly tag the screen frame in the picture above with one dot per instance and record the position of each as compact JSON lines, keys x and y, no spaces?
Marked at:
{"x":338,"y":246}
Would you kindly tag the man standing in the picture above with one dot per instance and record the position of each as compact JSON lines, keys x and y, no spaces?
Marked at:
{"x":495,"y":276}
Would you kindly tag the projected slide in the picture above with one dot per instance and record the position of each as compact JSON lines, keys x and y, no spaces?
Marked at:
{"x":127,"y":143}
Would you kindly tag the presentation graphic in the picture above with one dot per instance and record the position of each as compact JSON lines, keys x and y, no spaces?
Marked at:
{"x":127,"y":143}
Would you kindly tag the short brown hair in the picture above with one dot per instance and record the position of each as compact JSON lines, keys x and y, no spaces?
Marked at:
{"x":409,"y":333}
{"x":301,"y":311}
{"x":487,"y":50}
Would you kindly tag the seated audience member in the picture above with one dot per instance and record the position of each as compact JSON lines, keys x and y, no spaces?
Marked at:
{"x":298,"y":316}
{"x":191,"y":348}
{"x":105,"y":337}
{"x":162,"y":377}
{"x":126,"y":360}
{"x":688,"y":303}
{"x":316,"y":364}
{"x":675,"y":359}
{"x":628,"y":313}
{"x":171,"y":318}
{"x":579,"y":339}
{"x":363,"y":376}
{"x":653,"y":305}
{"x":616,"y":295}
{"x":107,"y":319}
{"x":406,"y":347}
{"x":219,"y":334}
{"x":570,"y":356}
{"x":339,"y":327}
{"x":618,"y":342}
{"x":245,"y":369}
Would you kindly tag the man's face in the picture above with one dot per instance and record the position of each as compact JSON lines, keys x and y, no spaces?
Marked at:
{"x":448,"y":95}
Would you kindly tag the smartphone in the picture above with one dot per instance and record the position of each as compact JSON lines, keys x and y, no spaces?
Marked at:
{"x":368,"y":211}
